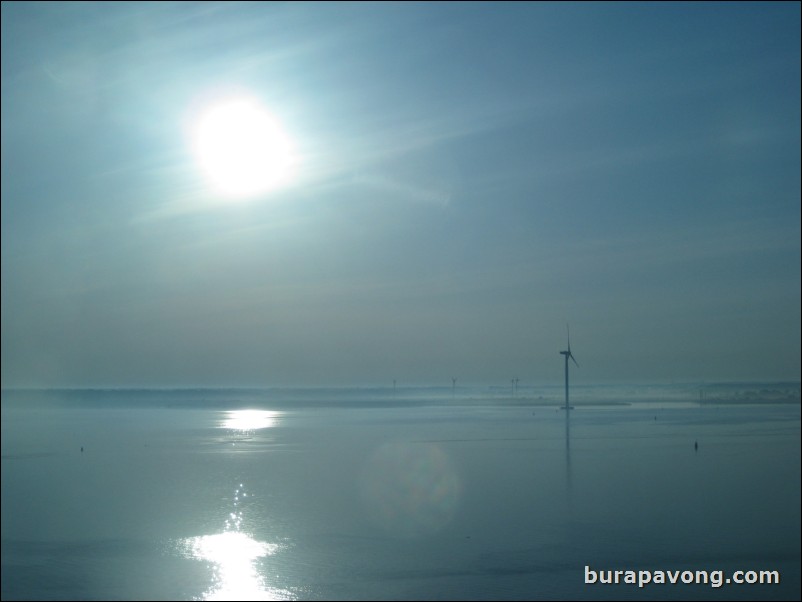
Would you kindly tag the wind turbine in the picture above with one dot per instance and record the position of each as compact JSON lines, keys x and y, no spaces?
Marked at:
{"x":568,"y":354}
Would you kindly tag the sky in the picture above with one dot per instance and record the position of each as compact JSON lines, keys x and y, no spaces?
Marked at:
{"x":467,"y":180}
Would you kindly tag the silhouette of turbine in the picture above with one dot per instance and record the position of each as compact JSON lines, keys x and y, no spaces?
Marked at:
{"x":568,"y":354}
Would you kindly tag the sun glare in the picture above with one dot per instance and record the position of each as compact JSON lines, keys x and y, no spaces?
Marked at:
{"x":250,"y":420}
{"x":243,"y":149}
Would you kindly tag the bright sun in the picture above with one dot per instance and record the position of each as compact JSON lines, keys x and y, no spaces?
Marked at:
{"x":243,"y":149}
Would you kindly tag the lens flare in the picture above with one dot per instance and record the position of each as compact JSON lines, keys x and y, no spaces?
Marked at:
{"x":410,"y":490}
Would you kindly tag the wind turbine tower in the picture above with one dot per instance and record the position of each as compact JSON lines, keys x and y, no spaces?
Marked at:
{"x":568,"y":354}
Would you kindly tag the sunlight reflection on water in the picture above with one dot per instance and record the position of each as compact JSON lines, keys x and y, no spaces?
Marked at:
{"x":250,"y":420}
{"x":234,"y":556}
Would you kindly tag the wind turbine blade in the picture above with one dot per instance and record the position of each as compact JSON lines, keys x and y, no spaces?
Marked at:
{"x":572,"y":358}
{"x":568,"y":334}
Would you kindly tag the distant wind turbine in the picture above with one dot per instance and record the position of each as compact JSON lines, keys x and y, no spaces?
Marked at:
{"x":568,"y":354}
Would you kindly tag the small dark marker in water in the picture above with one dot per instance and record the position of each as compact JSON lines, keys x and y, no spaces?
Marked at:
{"x":82,"y":450}
{"x":696,"y":445}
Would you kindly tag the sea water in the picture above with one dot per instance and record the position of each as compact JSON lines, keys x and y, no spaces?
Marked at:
{"x":365,"y":494}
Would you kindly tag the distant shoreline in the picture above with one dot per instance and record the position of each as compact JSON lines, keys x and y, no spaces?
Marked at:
{"x":411,"y":397}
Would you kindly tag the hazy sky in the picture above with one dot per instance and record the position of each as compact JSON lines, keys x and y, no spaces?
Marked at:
{"x":469,"y":179}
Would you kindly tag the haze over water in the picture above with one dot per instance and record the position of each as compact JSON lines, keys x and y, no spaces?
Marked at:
{"x":299,"y":198}
{"x":370,"y":494}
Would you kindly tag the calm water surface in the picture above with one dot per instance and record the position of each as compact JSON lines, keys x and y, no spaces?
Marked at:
{"x":194,"y":495}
